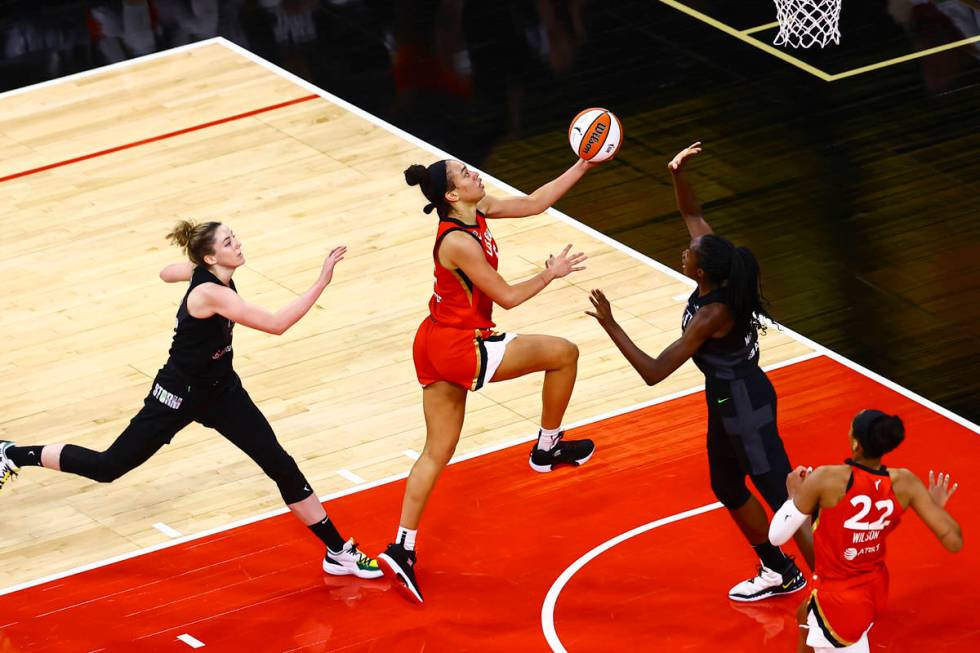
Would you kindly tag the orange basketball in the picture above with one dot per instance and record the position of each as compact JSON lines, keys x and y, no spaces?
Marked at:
{"x":595,"y":134}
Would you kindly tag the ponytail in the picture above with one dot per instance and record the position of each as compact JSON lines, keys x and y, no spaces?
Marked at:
{"x":197,"y":240}
{"x":738,"y":269}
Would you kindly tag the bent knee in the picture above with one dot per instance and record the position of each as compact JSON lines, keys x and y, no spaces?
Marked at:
{"x":566,"y":352}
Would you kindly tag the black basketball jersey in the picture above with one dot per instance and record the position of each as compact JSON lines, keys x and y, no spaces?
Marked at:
{"x":201,"y":348}
{"x":733,"y":356}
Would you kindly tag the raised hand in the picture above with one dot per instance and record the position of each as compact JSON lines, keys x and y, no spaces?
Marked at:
{"x":563,"y":264}
{"x":939,"y":490}
{"x":678,"y":161}
{"x":335,"y":256}
{"x":603,"y":310}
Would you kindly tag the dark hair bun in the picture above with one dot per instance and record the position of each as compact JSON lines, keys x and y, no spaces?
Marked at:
{"x":416,"y":175}
{"x":885,"y":434}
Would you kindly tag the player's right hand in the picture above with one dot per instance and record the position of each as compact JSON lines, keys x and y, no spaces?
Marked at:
{"x":678,"y":161}
{"x":563,"y":264}
{"x":794,"y":480}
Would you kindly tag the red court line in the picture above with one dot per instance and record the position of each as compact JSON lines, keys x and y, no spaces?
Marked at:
{"x":161,"y":137}
{"x":497,"y":535}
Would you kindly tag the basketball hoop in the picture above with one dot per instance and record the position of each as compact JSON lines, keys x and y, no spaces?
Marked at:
{"x":803,"y":23}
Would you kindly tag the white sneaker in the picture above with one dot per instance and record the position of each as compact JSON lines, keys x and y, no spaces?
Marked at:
{"x":350,"y":561}
{"x":769,"y":583}
{"x":8,"y":470}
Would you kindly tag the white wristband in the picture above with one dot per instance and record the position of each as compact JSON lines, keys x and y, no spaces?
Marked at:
{"x":785,"y":523}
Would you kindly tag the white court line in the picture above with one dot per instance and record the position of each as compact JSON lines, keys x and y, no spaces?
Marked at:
{"x":681,"y":297}
{"x":351,"y":476}
{"x":551,"y":598}
{"x":109,"y":67}
{"x":411,"y":453}
{"x":193,"y":642}
{"x":500,"y":446}
{"x":589,"y":230}
{"x":166,"y":530}
{"x":819,"y":349}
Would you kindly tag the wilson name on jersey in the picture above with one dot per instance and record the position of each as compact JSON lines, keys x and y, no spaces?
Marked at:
{"x":849,"y":538}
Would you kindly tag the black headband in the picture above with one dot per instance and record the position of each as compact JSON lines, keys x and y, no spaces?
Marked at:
{"x":862,"y":424}
{"x":437,"y":186}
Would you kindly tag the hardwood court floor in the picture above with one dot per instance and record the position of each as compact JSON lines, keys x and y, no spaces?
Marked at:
{"x":87,"y":322}
{"x":500,"y":546}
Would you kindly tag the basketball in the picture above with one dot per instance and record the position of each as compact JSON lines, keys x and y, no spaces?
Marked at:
{"x":595,"y":135}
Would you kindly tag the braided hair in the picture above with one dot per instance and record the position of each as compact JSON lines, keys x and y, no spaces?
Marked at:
{"x":738,"y":270}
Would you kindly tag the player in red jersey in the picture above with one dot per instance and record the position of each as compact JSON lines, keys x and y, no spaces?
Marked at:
{"x":456,"y":349}
{"x":854,"y":507}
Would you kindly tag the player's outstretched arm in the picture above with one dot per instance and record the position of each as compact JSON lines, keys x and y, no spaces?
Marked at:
{"x":463,"y":252}
{"x":929,"y":505}
{"x":687,"y":201}
{"x":540,"y":200}
{"x":209,"y":299}
{"x":651,"y":369}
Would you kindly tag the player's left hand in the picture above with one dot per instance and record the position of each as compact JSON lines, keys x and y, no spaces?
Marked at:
{"x":603,"y":311}
{"x":794,"y":480}
{"x":939,"y":488}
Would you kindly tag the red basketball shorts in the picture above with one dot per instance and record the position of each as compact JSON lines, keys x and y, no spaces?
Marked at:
{"x":466,"y":357}
{"x":840,"y":612}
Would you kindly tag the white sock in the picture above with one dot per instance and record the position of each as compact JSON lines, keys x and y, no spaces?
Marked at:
{"x":547,"y":438}
{"x":406,"y":538}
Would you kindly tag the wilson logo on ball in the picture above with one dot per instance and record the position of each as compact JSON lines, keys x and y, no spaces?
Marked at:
{"x":595,"y":134}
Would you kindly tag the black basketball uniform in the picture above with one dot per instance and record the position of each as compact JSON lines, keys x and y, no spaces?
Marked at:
{"x":197,"y":384}
{"x":742,"y":436}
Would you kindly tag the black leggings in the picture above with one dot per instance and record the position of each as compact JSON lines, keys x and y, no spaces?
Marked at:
{"x":743,"y":441}
{"x":174,"y":402}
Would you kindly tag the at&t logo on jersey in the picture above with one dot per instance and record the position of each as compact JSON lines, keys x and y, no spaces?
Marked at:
{"x":850,"y":553}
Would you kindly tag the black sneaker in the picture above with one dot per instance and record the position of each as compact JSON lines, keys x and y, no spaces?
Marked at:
{"x":565,"y":452}
{"x":769,"y":583}
{"x":8,"y":470}
{"x":399,"y":564}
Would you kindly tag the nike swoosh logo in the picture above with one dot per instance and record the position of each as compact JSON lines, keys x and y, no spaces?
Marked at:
{"x":721,"y":401}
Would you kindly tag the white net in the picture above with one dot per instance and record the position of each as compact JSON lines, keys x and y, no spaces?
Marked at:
{"x":803,"y":23}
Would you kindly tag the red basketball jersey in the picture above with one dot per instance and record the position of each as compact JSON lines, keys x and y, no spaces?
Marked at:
{"x":456,"y":301}
{"x":849,"y":539}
